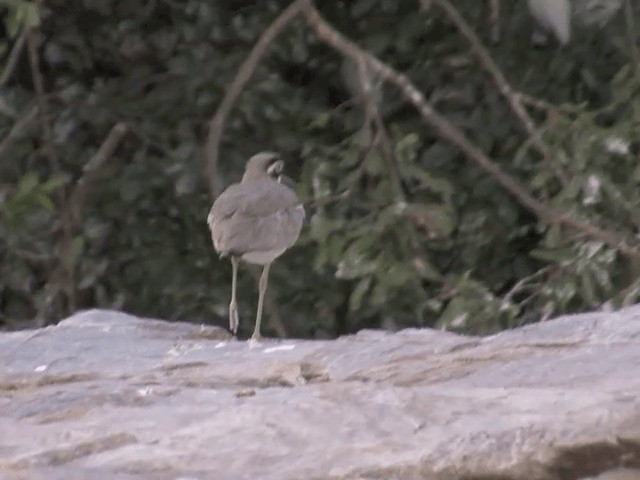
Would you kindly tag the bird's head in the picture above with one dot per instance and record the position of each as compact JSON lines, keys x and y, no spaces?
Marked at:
{"x":264,"y":164}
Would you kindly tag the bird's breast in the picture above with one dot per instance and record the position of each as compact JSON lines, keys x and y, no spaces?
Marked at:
{"x":262,"y":257}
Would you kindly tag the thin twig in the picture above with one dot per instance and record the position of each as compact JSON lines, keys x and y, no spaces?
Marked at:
{"x":523,"y":282}
{"x":38,"y":84}
{"x":322,"y":201}
{"x":490,"y":66}
{"x":374,"y":122}
{"x":395,"y":177}
{"x":439,"y":124}
{"x":216,"y":125}
{"x":453,"y":135}
{"x":631,"y":34}
{"x":494,"y":20}
{"x":12,"y":61}
{"x":375,"y":127}
{"x":537,"y":103}
{"x":63,"y":276}
{"x":24,"y":122}
{"x":80,"y":189}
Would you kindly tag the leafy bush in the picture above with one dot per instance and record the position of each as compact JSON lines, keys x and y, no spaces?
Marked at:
{"x":439,"y":243}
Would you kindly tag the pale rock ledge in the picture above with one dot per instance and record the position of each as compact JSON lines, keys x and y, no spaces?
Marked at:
{"x":105,"y":395}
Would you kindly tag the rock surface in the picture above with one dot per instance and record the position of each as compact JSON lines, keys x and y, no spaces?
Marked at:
{"x":105,"y":395}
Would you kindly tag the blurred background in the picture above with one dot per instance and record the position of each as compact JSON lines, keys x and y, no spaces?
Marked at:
{"x":402,"y":230}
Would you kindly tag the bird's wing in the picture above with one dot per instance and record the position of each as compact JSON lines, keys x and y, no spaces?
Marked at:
{"x":255,"y":199}
{"x":272,"y":233}
{"x":255,"y":216}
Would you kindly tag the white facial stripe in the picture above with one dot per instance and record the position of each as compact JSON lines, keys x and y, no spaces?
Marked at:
{"x":275,"y":168}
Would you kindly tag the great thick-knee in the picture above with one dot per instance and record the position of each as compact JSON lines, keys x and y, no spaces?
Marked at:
{"x":255,"y":221}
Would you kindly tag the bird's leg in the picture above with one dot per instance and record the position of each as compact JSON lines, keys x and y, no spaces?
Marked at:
{"x":262,"y":288}
{"x":233,"y":306}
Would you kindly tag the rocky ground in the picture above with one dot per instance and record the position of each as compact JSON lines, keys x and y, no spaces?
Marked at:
{"x":105,"y":395}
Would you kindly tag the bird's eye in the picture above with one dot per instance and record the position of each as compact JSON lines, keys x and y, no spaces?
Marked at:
{"x":275,"y":168}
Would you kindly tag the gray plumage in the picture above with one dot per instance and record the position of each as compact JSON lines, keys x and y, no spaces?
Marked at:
{"x":254,"y":218}
{"x":255,"y":221}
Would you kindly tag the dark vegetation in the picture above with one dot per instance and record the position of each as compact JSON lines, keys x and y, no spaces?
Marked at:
{"x":104,"y":114}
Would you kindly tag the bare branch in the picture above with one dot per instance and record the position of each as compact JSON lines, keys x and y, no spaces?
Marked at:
{"x":538,"y":103}
{"x":634,"y":50}
{"x":439,"y":124}
{"x":453,"y":135}
{"x":38,"y":83}
{"x":524,"y":283}
{"x":328,"y":200}
{"x":216,"y":125}
{"x":109,"y":145}
{"x":494,"y":20}
{"x":490,"y":66}
{"x":12,"y":61}
{"x":374,"y":123}
{"x":62,"y":279}
{"x":375,"y":126}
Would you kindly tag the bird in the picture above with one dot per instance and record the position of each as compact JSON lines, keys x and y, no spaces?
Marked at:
{"x":255,"y":221}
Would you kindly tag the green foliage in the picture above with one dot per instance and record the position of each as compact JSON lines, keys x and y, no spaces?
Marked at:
{"x":20,"y":14}
{"x":442,"y":246}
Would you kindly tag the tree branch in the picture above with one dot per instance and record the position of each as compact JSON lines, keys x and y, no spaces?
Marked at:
{"x":108,"y":146}
{"x":494,"y":20}
{"x":634,"y":51}
{"x":538,"y":104}
{"x":63,"y":276}
{"x":451,"y":134}
{"x":514,"y":99}
{"x":216,"y":125}
{"x":494,"y":71}
{"x":12,"y":61}
{"x":375,"y":125}
{"x":41,"y":98}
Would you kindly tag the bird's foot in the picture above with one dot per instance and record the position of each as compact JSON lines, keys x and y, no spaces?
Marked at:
{"x":234,"y":320}
{"x":255,"y":340}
